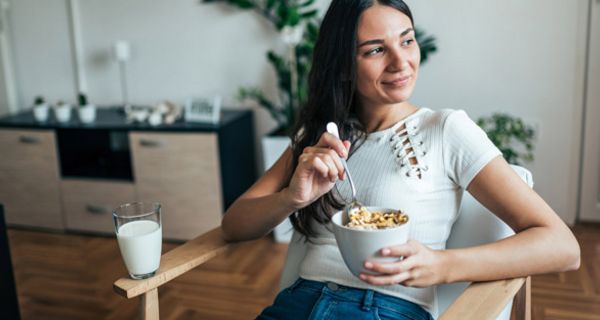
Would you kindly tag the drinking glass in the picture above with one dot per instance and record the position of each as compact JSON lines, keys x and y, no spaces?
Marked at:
{"x":139,"y":233}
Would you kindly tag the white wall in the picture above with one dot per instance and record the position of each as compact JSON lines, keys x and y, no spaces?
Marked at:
{"x":41,"y":50}
{"x":3,"y":94}
{"x":179,"y":49}
{"x":521,"y":57}
{"x":525,"y":58}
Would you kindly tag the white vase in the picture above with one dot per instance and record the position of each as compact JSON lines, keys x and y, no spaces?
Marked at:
{"x":40,"y":112}
{"x":155,"y":119}
{"x":63,"y":113}
{"x":87,"y":113}
{"x":273,"y":147}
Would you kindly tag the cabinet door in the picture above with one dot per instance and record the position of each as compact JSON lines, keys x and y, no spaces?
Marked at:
{"x":29,"y":187}
{"x":181,"y":171}
{"x":88,"y":204}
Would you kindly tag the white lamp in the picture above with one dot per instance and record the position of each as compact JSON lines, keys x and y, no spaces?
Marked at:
{"x":122,"y":53}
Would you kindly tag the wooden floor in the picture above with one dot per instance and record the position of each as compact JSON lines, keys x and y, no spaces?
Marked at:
{"x":70,"y":277}
{"x":572,"y":295}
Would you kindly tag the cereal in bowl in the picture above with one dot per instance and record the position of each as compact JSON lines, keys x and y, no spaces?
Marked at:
{"x":364,"y":219}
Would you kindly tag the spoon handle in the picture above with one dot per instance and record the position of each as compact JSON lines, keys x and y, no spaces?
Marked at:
{"x":333,"y":129}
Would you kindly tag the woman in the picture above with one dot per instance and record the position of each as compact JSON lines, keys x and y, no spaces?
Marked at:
{"x":365,"y":66}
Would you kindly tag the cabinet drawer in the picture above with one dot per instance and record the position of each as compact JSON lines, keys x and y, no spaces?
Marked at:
{"x":29,"y":178}
{"x":88,"y":204}
{"x":181,"y":171}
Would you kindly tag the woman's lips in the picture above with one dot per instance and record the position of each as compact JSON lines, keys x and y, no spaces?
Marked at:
{"x":399,"y":82}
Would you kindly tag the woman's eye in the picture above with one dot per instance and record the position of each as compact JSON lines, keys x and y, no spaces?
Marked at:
{"x":374,"y":51}
{"x":408,"y":42}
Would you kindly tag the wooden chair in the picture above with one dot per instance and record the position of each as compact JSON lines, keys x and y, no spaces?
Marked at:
{"x":464,"y":301}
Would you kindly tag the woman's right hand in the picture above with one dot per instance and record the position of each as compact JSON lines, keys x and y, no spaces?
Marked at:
{"x":318,"y":169}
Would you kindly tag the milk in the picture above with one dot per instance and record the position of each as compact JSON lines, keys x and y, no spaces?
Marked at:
{"x":140,"y":244}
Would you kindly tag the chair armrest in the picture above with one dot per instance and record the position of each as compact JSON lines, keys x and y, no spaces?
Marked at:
{"x":483,"y":300}
{"x":176,"y":262}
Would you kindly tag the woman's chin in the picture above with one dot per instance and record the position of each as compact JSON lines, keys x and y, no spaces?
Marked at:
{"x":398,"y":95}
{"x":397,"y":98}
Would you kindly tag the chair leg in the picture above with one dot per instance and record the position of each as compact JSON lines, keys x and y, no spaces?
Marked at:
{"x":150,"y":305}
{"x":522,"y":302}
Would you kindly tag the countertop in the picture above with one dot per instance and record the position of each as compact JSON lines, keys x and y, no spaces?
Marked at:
{"x":113,"y":118}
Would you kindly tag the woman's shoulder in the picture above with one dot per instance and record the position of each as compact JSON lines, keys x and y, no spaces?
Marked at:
{"x":439,"y":118}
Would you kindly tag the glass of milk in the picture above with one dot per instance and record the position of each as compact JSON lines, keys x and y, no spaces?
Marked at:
{"x":139,"y":233}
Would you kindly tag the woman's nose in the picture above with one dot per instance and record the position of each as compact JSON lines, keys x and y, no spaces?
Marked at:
{"x":397,"y":60}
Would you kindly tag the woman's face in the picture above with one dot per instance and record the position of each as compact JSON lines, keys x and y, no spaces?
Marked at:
{"x":388,"y":56}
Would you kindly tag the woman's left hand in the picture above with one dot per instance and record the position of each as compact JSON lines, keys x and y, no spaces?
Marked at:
{"x":421,"y":266}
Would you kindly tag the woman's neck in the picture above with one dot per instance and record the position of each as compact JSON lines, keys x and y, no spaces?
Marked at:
{"x":376,"y":118}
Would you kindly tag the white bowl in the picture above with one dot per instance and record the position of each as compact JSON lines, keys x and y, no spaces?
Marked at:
{"x":357,"y":245}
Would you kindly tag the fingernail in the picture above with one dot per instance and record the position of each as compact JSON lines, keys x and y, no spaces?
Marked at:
{"x":362,"y":276}
{"x":385,"y":251}
{"x":368,"y":265}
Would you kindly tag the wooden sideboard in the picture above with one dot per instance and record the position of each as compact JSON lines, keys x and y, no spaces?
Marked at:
{"x":70,"y":176}
{"x":29,"y":178}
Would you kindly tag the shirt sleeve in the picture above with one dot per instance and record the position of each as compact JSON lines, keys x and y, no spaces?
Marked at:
{"x":466,"y":148}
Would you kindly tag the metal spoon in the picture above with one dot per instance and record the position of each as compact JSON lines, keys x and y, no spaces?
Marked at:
{"x":353,"y":206}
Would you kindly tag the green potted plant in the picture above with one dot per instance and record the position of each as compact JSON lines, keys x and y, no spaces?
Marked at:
{"x":87,"y":111}
{"x":298,"y":25}
{"x":62,"y":111}
{"x":40,"y":109}
{"x":511,"y":135}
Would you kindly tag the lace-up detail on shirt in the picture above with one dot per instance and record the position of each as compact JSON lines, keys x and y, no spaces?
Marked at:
{"x":408,"y":150}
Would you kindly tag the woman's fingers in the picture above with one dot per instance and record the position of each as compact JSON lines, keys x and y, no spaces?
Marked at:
{"x":332,"y":172}
{"x":346,"y":144}
{"x":392,"y":279}
{"x":424,"y":266}
{"x":407,"y":252}
{"x":311,"y":162}
{"x":328,"y":140}
{"x":329,"y":149}
{"x":392,"y":267}
{"x":330,"y":158}
{"x":404,"y":250}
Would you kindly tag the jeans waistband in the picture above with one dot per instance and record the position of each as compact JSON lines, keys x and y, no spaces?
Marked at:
{"x":366,"y":297}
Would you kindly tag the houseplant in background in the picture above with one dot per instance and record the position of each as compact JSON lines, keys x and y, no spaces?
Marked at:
{"x":297,"y":22}
{"x":298,"y":25}
{"x":40,"y":109}
{"x":87,"y":111}
{"x":62,"y":111}
{"x":511,"y":135}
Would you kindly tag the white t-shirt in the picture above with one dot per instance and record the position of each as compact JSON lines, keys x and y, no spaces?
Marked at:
{"x":450,"y":149}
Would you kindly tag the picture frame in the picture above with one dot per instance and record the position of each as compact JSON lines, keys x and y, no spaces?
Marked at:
{"x":203,"y":110}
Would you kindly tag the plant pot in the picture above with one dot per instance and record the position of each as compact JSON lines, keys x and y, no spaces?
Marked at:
{"x":63,"y":113}
{"x":87,"y":113}
{"x":273,"y":147}
{"x":40,"y":112}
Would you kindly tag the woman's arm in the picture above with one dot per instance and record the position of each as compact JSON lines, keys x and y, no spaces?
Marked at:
{"x":262,"y":207}
{"x":284,"y":189}
{"x":542,"y":243}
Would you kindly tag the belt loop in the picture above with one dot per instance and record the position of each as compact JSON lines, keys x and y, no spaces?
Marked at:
{"x":296,"y":283}
{"x":368,"y":300}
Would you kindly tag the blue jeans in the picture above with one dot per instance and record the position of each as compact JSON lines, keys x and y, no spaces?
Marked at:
{"x":307,"y":299}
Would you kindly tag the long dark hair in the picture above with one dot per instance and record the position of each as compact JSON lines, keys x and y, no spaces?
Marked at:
{"x":332,"y":90}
